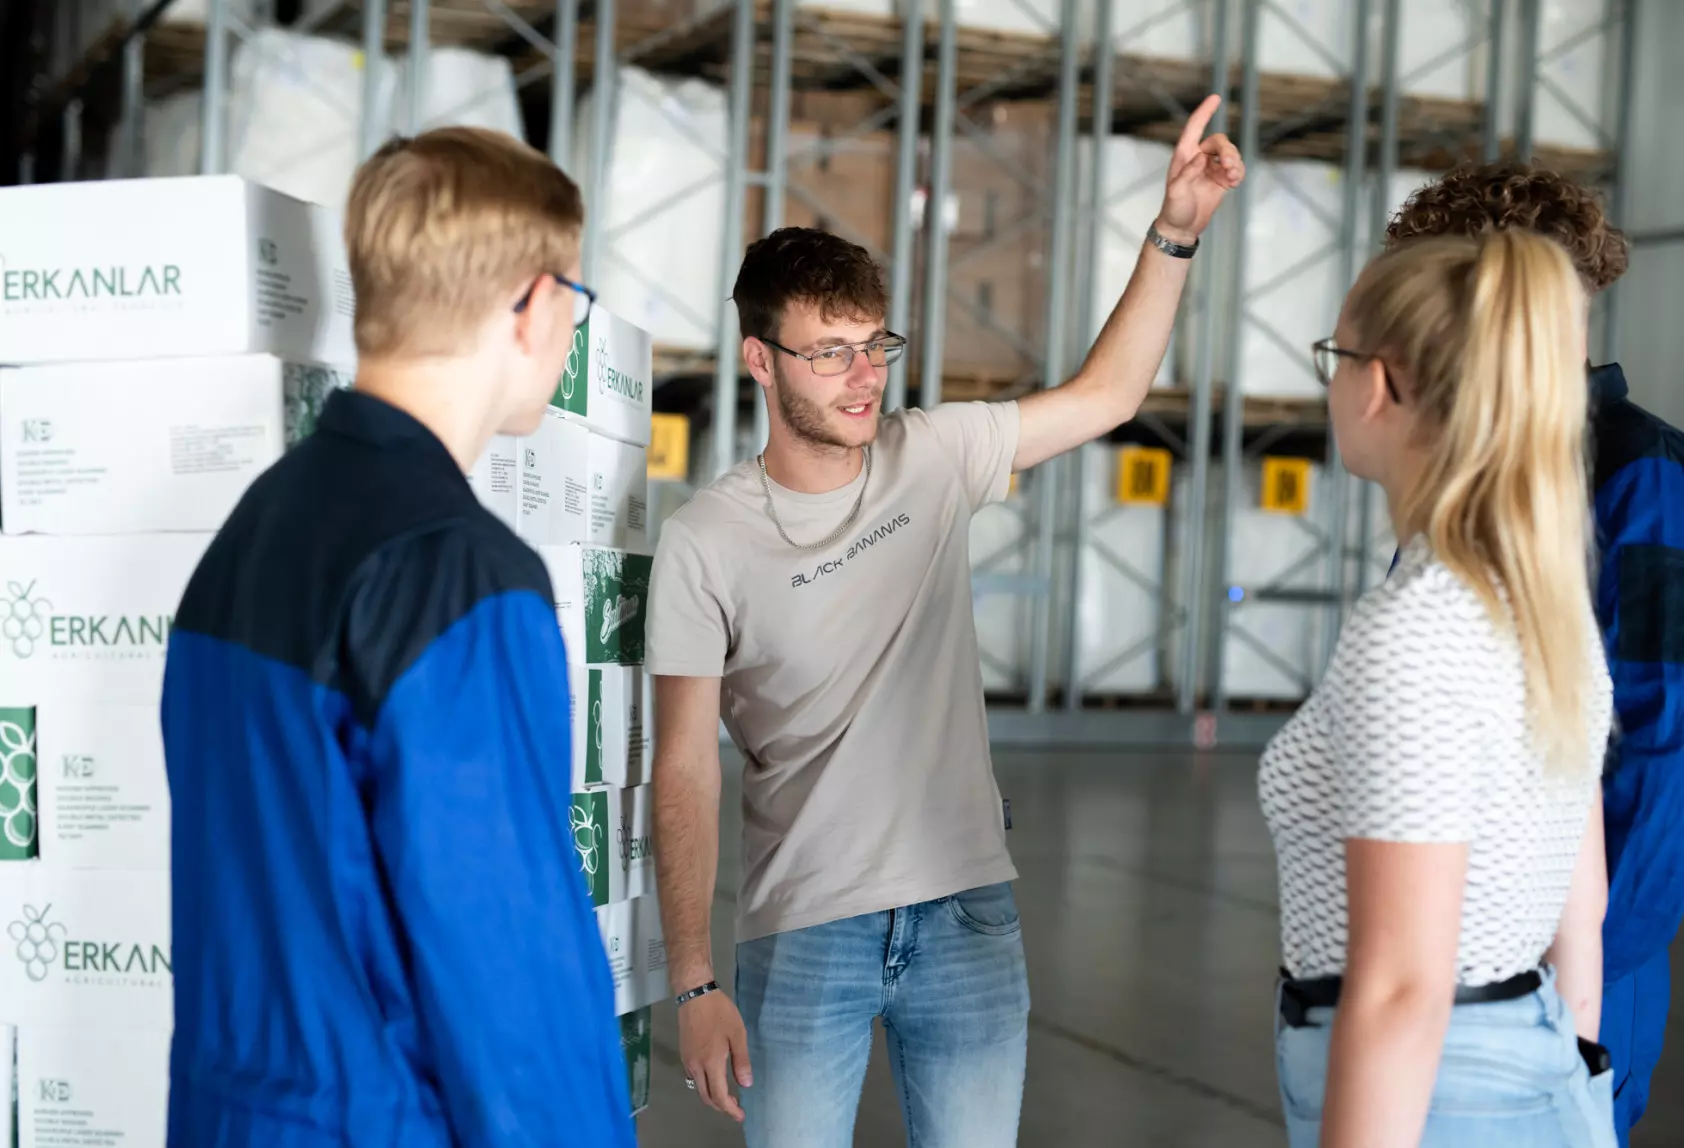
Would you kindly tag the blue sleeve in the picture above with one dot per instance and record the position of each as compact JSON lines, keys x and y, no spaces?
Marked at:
{"x":469,"y":815}
{"x":1640,"y":601}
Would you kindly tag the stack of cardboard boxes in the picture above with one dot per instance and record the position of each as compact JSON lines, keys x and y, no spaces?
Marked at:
{"x":150,"y":373}
{"x":577,"y":490}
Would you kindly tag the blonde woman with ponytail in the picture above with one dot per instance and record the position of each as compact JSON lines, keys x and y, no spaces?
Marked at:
{"x":1435,"y":804}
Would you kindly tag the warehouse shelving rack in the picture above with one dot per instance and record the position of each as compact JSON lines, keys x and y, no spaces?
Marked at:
{"x":765,"y":50}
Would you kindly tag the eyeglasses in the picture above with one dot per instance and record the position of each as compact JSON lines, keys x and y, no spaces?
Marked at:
{"x":1327,"y":354}
{"x":879,"y":352}
{"x":583,"y":297}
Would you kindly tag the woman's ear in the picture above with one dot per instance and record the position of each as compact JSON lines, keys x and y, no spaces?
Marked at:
{"x":1377,"y":394}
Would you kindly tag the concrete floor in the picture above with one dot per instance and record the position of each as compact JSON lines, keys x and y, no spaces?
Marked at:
{"x":1147,"y":892}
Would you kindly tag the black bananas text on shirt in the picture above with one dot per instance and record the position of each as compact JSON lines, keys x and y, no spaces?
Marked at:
{"x":866,"y":542}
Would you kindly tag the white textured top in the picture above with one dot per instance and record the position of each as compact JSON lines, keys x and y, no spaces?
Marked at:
{"x":1419,"y":733}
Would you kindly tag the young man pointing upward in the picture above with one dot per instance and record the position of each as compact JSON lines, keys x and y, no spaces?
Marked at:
{"x":818,"y":600}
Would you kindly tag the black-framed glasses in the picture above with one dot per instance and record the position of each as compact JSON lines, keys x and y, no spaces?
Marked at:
{"x":583,"y":297}
{"x":1327,"y":354}
{"x":879,"y":352}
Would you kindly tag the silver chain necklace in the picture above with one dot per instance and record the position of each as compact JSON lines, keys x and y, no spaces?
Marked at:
{"x":771,"y":511}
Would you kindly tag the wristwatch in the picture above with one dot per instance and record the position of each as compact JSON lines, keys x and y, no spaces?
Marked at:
{"x":1169,"y":246}
{"x":711,"y":986}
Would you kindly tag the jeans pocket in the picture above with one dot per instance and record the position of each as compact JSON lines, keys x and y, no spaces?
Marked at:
{"x":990,"y":910}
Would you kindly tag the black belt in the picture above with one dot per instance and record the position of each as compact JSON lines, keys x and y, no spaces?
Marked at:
{"x":1298,"y":997}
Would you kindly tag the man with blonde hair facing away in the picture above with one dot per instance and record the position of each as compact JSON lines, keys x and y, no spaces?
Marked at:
{"x":1638,"y":494}
{"x":380,"y":937}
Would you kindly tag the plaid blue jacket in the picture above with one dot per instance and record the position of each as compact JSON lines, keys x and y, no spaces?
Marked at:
{"x":1638,"y":488}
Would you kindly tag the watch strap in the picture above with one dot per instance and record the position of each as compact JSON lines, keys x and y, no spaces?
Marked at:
{"x":1169,"y":246}
{"x":700,"y":990}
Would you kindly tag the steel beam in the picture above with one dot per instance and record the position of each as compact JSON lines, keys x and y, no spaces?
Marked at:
{"x":371,"y":133}
{"x":1193,"y":537}
{"x":1526,"y":85}
{"x":1104,"y":58}
{"x":132,"y":117}
{"x":935,"y":229}
{"x":1496,"y":18}
{"x":562,"y":84}
{"x":1233,"y":412}
{"x":1622,"y":166}
{"x":906,"y":179}
{"x":603,"y":96}
{"x":727,"y":351}
{"x":420,"y":52}
{"x":1356,"y":148}
{"x":213,"y":112}
{"x":1057,"y":331}
{"x":777,"y":159}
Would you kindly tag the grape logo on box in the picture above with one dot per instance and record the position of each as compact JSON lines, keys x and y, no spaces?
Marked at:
{"x":609,"y":378}
{"x":43,"y":945}
{"x":26,"y":618}
{"x":570,"y":370}
{"x":19,"y":822}
{"x":38,"y":941}
{"x":588,"y":817}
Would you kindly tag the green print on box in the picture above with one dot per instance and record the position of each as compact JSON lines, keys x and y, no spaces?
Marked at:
{"x":593,"y":728}
{"x":20,"y":828}
{"x":590,"y":375}
{"x":636,"y":1042}
{"x":305,"y":388}
{"x":591,"y":838}
{"x":616,"y":599}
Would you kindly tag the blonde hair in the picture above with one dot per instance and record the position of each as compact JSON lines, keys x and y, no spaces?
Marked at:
{"x":1488,"y":331}
{"x":443,"y":228}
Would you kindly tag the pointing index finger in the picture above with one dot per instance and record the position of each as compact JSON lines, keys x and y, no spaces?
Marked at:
{"x":1197,"y":123}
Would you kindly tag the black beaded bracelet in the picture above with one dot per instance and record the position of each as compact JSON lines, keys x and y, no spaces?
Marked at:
{"x":711,"y":986}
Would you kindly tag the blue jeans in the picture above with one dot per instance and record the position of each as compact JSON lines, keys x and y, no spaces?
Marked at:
{"x":1510,"y":1075}
{"x":1634,"y":1029}
{"x":947,"y":977}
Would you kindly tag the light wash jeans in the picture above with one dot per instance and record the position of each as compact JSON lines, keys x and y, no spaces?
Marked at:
{"x":1510,"y":1075}
{"x":949,"y":980}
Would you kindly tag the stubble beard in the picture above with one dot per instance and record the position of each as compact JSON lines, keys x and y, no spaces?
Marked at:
{"x":805,"y":418}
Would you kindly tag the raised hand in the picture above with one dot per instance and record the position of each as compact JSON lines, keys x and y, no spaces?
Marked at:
{"x":1201,"y":172}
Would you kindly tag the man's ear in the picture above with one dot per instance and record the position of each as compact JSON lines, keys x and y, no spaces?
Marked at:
{"x":533,"y":322}
{"x":758,"y":356}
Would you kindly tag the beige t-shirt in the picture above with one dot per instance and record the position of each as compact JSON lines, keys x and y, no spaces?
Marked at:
{"x":850,"y":678}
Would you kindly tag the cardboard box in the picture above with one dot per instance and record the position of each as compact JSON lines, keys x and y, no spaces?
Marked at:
{"x":20,"y":786}
{"x":496,"y":479}
{"x":218,"y":266}
{"x":637,"y":952}
{"x":578,"y":486}
{"x":613,"y":838}
{"x":601,"y":602}
{"x":151,"y":445}
{"x":608,"y":380}
{"x":90,"y":617}
{"x":105,"y":798}
{"x":92,"y":1085}
{"x":610,"y":726}
{"x":637,"y":1042}
{"x":8,"y":1083}
{"x":86,"y":946}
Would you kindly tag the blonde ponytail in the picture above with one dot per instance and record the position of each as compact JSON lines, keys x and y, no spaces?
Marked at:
{"x":1490,"y":334}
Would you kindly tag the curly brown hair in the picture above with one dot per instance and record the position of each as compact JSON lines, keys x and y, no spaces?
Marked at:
{"x":1473,"y":199}
{"x":805,"y":265}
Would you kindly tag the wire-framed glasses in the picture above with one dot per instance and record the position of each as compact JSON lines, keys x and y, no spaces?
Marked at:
{"x":583,"y":297}
{"x":879,"y":352}
{"x":1327,"y":354}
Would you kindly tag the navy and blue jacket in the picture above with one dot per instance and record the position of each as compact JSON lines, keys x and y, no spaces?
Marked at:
{"x":380,"y":937}
{"x":1638,"y":484}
